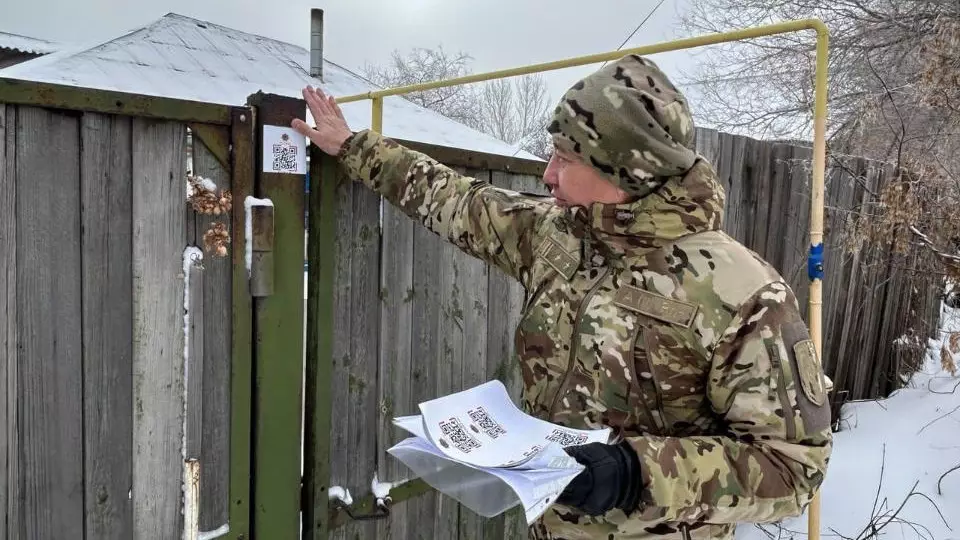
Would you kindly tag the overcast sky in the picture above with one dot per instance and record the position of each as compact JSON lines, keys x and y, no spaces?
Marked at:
{"x":360,"y":31}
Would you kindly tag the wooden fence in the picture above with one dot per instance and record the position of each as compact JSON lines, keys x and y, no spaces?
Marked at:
{"x":415,"y":318}
{"x":97,"y":414}
{"x":98,"y":411}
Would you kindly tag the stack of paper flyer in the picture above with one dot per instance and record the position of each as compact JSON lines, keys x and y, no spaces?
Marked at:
{"x":479,"y":448}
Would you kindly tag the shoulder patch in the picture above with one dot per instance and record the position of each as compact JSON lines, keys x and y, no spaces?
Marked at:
{"x":558,"y":258}
{"x":656,"y":306}
{"x":809,"y":383}
{"x":810,"y":372}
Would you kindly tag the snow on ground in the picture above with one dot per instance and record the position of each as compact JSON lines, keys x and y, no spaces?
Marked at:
{"x":914,"y":436}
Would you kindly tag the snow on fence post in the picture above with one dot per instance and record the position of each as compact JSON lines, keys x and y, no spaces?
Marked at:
{"x":259,"y":245}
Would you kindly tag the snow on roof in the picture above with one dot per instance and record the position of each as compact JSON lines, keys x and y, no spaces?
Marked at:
{"x":185,"y":58}
{"x":26,"y":44}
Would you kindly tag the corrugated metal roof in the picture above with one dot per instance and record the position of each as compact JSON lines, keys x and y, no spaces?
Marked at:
{"x":185,"y":58}
{"x":26,"y":44}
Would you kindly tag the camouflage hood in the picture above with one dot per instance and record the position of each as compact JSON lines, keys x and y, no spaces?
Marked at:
{"x":680,"y":206}
{"x":628,"y":122}
{"x":631,"y":124}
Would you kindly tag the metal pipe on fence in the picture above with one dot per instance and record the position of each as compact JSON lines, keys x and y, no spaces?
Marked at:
{"x":316,"y":43}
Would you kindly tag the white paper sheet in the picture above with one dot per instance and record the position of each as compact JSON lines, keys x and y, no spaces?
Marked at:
{"x":481,"y":426}
{"x":479,"y":448}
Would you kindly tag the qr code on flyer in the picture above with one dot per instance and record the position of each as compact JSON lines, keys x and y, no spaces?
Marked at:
{"x":487,"y":424}
{"x":455,"y":431}
{"x":565,"y":438}
{"x":284,"y":158}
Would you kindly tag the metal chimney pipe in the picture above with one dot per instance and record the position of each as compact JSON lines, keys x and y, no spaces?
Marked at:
{"x":316,"y":43}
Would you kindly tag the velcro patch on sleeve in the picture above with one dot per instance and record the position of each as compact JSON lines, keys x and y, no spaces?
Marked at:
{"x":558,"y":258}
{"x":811,"y":374}
{"x":656,"y":306}
{"x":809,"y":383}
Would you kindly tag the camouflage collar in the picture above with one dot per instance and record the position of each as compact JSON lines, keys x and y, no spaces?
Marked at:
{"x":682,"y":206}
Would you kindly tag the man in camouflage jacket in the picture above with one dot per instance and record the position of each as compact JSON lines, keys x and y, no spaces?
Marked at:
{"x":640,"y":313}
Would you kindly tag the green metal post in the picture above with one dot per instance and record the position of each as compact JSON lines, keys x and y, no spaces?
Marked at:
{"x":278,"y":331}
{"x":241,"y":360}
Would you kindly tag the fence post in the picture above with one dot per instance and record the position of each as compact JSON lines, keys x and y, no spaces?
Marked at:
{"x":321,"y":263}
{"x":278,"y":322}
{"x":242,"y":138}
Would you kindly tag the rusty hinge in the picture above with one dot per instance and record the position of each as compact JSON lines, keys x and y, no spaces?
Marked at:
{"x":381,"y":511}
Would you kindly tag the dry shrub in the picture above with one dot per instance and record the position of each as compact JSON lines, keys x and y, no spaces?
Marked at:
{"x":203,"y":197}
{"x":947,"y":362}
{"x":940,"y":71}
{"x":916,"y":215}
{"x":947,"y":352}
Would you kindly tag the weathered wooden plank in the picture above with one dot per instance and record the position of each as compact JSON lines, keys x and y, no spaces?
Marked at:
{"x":499,"y":354}
{"x":472,"y":301}
{"x":107,"y":224}
{"x":9,"y":445}
{"x":158,"y":331}
{"x":49,"y":331}
{"x":778,"y":220}
{"x":762,"y":184}
{"x":194,"y":358}
{"x":449,"y":357}
{"x":217,"y":336}
{"x":874,"y":287}
{"x":837,"y":284}
{"x":505,"y":300}
{"x":884,"y":372}
{"x":321,"y":320}
{"x":216,"y":142}
{"x":724,"y":166}
{"x":424,"y":345}
{"x":836,"y":362}
{"x":746,"y":190}
{"x":107,"y":101}
{"x":396,"y":361}
{"x":364,"y":354}
{"x":743,"y":187}
{"x":708,"y":144}
{"x":241,"y":339}
{"x":340,"y":452}
{"x":798,"y":239}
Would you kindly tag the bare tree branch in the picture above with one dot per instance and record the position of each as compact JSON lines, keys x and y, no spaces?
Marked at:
{"x":512,"y":110}
{"x":944,"y":475}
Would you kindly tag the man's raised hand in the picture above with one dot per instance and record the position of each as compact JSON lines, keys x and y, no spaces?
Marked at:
{"x":331,"y":128}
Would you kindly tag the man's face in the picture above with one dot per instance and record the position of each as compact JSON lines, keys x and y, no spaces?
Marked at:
{"x":574,"y":183}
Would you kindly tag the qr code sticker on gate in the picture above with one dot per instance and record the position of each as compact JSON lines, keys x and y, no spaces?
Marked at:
{"x":487,"y":424}
{"x":284,"y":158}
{"x":565,"y":438}
{"x":455,"y":431}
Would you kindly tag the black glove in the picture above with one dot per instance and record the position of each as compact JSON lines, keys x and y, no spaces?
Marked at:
{"x":611,"y":479}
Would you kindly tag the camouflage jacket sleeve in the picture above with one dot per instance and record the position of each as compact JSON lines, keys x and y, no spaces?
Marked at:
{"x":496,"y":225}
{"x":766,"y":382}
